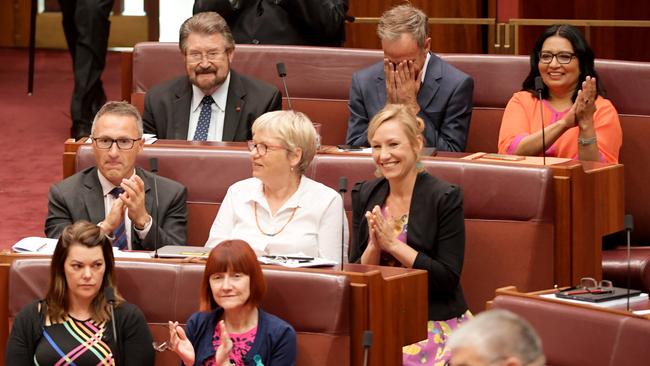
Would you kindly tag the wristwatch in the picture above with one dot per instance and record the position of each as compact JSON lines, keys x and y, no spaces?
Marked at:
{"x":587,"y":141}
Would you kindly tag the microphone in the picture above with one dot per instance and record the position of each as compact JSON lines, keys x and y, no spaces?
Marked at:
{"x":343,"y":187}
{"x":367,"y":342}
{"x":153,"y":165}
{"x":109,"y":294}
{"x":539,"y":88}
{"x":282,"y":73}
{"x":629,"y":226}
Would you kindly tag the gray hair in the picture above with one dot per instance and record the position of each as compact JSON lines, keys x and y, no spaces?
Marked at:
{"x":295,"y":130}
{"x":404,"y":19}
{"x":121,"y":108}
{"x":206,"y":23}
{"x":499,"y":334}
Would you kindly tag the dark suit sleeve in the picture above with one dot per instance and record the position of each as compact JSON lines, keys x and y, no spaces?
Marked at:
{"x":21,"y":345}
{"x":358,"y":123}
{"x":455,"y":127}
{"x":324,"y":17}
{"x":58,"y":215}
{"x":172,"y":223}
{"x":276,"y":102}
{"x":444,"y":271}
{"x":359,"y":223}
{"x":134,"y":337}
{"x":148,"y":121}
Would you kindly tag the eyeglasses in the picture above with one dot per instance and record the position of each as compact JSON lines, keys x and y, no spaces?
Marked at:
{"x":212,"y":55}
{"x":589,"y":285}
{"x":262,"y":148}
{"x":561,"y":57}
{"x":122,"y":143}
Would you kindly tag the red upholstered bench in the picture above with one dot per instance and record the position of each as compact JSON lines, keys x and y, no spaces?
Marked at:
{"x":317,"y":305}
{"x":580,"y":335}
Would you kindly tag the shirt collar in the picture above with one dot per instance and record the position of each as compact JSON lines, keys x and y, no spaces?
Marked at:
{"x":220,"y":95}
{"x":424,"y":68}
{"x":107,"y":186}
{"x":257,"y":195}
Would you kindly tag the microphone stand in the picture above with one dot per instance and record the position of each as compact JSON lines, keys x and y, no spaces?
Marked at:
{"x":282,"y":73}
{"x":153,"y":163}
{"x":539,"y":86}
{"x":109,"y":294}
{"x":629,"y":226}
{"x":343,"y":187}
{"x":367,"y":343}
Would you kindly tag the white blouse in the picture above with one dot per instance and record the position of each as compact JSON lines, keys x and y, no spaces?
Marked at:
{"x":314,"y":230}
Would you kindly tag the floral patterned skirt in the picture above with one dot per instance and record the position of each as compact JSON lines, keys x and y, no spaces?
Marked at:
{"x":433,"y":350}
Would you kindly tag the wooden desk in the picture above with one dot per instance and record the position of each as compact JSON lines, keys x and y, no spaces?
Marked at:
{"x":391,"y":302}
{"x":589,"y":203}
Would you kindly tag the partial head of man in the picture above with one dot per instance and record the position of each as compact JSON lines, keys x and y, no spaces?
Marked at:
{"x":404,"y":34}
{"x":496,"y":338}
{"x":208,"y":47}
{"x":117,"y":139}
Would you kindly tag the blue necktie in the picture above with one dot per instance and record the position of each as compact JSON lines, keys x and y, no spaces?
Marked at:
{"x":120,"y":233}
{"x":202,"y":127}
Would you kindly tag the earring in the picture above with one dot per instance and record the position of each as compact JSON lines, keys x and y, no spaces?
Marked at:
{"x":378,"y":173}
{"x":418,"y":165}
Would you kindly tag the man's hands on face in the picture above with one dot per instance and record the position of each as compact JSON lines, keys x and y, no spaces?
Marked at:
{"x":402,"y":83}
{"x":133,"y":199}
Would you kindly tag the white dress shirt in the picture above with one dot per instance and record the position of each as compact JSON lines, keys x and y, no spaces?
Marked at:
{"x":217,"y":116}
{"x":107,"y":187}
{"x":314,"y":230}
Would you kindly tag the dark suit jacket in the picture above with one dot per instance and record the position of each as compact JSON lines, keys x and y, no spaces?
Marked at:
{"x":436,"y":230}
{"x":445,"y":100}
{"x":80,"y":197}
{"x":167,"y":107}
{"x":292,"y":22}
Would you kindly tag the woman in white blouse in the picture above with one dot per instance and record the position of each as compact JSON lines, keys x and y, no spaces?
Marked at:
{"x":280,"y":211}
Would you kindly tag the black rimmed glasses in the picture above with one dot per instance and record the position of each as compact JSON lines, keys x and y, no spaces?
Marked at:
{"x":106,"y":143}
{"x":561,"y":57}
{"x":263,"y":148}
{"x":212,"y":55}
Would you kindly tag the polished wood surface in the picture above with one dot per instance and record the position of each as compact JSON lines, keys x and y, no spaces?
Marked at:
{"x":389,"y":301}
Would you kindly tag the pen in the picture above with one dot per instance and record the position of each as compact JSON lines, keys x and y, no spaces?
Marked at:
{"x":41,"y":247}
{"x":299,"y":259}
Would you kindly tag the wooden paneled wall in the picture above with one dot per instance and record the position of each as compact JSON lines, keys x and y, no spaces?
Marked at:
{"x":612,"y":43}
{"x":444,"y":38}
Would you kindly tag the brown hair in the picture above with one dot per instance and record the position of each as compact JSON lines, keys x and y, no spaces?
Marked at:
{"x":412,"y":125}
{"x":404,"y":19}
{"x":232,"y":256}
{"x":206,"y":23}
{"x":88,"y":235}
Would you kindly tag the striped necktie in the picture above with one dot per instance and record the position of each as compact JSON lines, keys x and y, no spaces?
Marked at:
{"x":120,"y":233}
{"x":201,"y":133}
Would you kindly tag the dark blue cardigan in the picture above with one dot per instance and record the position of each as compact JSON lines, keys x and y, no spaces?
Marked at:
{"x":275,"y":341}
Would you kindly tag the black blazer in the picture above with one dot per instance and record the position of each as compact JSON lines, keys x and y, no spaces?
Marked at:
{"x":80,"y":197}
{"x":167,"y":107}
{"x":436,"y":230}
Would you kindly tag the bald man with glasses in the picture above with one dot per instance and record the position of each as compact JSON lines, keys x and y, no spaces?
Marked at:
{"x":117,"y":195}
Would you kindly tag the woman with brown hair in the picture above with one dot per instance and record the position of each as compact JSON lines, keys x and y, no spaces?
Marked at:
{"x":74,"y":323}
{"x":230,"y":328}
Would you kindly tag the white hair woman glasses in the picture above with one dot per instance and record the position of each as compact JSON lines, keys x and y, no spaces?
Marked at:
{"x":279,"y":211}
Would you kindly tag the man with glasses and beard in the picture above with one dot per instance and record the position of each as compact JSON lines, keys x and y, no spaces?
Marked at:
{"x":212,"y":102}
{"x":115,"y":194}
